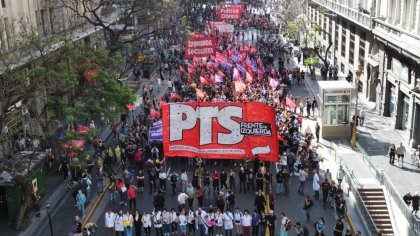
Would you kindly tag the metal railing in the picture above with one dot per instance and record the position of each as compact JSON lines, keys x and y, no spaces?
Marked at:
{"x":350,"y":13}
{"x":390,"y":188}
{"x":353,"y":183}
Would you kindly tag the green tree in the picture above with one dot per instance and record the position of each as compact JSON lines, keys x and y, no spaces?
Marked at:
{"x":48,"y":78}
{"x":134,"y":20}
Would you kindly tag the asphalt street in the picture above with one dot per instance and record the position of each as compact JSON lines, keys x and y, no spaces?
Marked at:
{"x":291,"y":205}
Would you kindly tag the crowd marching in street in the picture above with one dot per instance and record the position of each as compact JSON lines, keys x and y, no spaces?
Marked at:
{"x":249,"y":65}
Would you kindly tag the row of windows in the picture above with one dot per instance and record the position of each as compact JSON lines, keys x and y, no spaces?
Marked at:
{"x":315,"y":16}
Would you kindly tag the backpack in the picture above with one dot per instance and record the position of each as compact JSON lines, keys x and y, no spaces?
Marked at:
{"x":84,"y":183}
{"x":305,"y":231}
{"x":289,"y":225}
{"x":139,"y":156}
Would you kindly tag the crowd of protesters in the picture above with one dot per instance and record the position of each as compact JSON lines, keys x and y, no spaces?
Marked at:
{"x":245,"y":68}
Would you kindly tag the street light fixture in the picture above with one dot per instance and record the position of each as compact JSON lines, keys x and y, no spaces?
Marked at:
{"x":359,"y":72}
{"x":49,"y":218}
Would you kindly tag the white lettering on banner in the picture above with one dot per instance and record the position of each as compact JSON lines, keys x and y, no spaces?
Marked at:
{"x":224,"y":16}
{"x":230,"y":10}
{"x":184,"y":117}
{"x":209,"y":151}
{"x":200,"y":51}
{"x":201,"y":43}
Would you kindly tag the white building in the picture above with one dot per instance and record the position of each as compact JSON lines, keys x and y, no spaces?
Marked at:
{"x":384,"y":36}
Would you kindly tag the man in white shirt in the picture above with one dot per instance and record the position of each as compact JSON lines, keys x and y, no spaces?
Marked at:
{"x":218,"y":218}
{"x":109,"y":222}
{"x":228,"y":222}
{"x":184,"y":180}
{"x":182,"y":198}
{"x":200,"y":216}
{"x":157,"y":222}
{"x":238,"y":216}
{"x":315,"y":184}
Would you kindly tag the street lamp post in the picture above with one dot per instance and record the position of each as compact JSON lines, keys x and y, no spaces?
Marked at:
{"x":49,"y":218}
{"x":359,"y":72}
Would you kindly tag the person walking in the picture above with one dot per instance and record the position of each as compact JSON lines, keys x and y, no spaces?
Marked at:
{"x":325,"y":186}
{"x":238,"y":216}
{"x":247,"y":223}
{"x":307,"y":206}
{"x":228,"y":222}
{"x":259,"y":202}
{"x":271,"y":222}
{"x":255,"y":223}
{"x":173,"y":178}
{"x":76,"y":228}
{"x":137,"y":223}
{"x":416,"y":202}
{"x":218,"y":228}
{"x":191,"y":194}
{"x":128,"y":222}
{"x":81,"y":201}
{"x":182,"y":222}
{"x":131,"y":194}
{"x":109,"y":222}
{"x":146,"y":220}
{"x":320,"y":227}
{"x":391,"y":154}
{"x":118,"y":224}
{"x":400,"y":154}
{"x":315,"y":184}
{"x":338,"y":228}
{"x":362,"y":116}
{"x":279,"y":182}
{"x":340,"y":175}
{"x":283,"y":226}
{"x":302,"y":179}
{"x":317,"y":131}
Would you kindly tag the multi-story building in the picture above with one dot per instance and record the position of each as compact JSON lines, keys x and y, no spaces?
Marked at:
{"x":19,"y":21}
{"x":384,"y":37}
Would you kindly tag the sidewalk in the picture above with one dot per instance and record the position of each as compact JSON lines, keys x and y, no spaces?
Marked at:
{"x":57,"y":192}
{"x":374,"y":137}
{"x":370,"y":165}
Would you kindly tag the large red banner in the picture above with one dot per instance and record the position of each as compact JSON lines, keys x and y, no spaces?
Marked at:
{"x":230,"y":12}
{"x":200,"y":47}
{"x":220,"y":130}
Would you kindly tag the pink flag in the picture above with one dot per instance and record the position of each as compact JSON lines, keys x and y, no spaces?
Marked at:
{"x":240,"y":86}
{"x":218,"y":78}
{"x":236,"y":75}
{"x":273,"y":83}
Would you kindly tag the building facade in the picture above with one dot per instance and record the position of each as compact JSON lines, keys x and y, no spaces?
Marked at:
{"x":19,"y":21}
{"x":384,"y":37}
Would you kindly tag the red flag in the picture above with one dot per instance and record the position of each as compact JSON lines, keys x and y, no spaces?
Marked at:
{"x":273,"y":72}
{"x":154,"y":113}
{"x":191,"y":69}
{"x":239,"y":86}
{"x":175,"y":95}
{"x":260,"y":74}
{"x":161,"y":101}
{"x":182,"y":70}
{"x":203,"y":80}
{"x":290,"y":103}
{"x":220,"y":73}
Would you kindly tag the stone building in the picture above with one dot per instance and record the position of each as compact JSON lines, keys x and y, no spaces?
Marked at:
{"x":384,"y":37}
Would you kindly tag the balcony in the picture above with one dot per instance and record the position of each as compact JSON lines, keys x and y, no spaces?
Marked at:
{"x":353,"y":15}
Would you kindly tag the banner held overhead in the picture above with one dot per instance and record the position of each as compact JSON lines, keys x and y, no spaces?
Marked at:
{"x":200,"y":47}
{"x":220,"y":130}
